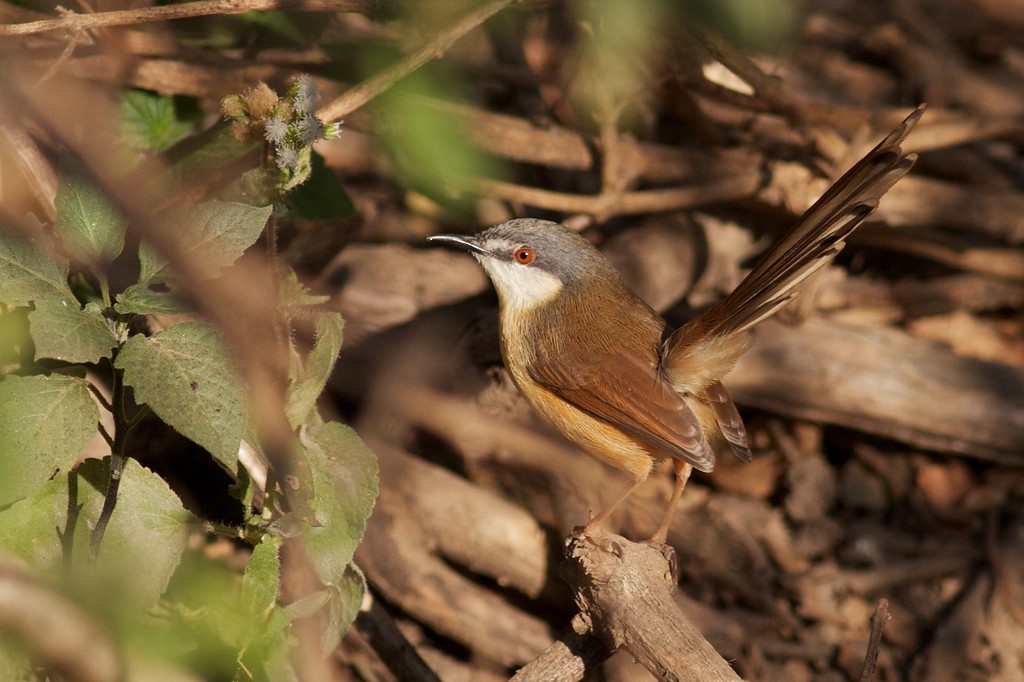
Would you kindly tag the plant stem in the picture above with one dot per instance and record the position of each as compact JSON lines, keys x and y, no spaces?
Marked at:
{"x":117,"y":459}
{"x":100,"y":397}
{"x":67,"y":536}
{"x":105,"y":290}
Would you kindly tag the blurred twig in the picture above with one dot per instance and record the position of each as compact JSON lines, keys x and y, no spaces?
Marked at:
{"x":62,"y":637}
{"x":357,"y":96}
{"x":73,"y":22}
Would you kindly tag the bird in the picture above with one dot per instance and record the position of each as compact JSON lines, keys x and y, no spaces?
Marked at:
{"x":606,"y":371}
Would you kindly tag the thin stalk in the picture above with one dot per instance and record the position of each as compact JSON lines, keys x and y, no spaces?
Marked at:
{"x":67,"y":536}
{"x":117,"y":460}
{"x":105,"y":291}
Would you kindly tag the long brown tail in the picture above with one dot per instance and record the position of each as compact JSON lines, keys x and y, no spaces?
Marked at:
{"x":817,"y":237}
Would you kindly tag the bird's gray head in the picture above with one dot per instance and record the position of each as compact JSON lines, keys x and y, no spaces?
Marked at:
{"x":530,"y":261}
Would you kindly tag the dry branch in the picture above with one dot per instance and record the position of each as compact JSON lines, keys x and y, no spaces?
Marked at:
{"x":886,"y":382}
{"x":567,"y":659}
{"x":73,"y":22}
{"x":401,"y":658}
{"x":625,"y":593}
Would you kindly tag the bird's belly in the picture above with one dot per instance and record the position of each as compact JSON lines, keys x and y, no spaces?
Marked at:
{"x":596,"y":436}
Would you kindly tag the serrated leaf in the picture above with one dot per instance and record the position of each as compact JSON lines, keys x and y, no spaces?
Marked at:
{"x":271,"y":652}
{"x":309,"y":380}
{"x":344,"y":473}
{"x":29,"y":274}
{"x":188,"y":378}
{"x":269,"y":642}
{"x":45,"y":422}
{"x":150,"y":121}
{"x":153,"y":267}
{"x":212,"y":235}
{"x":346,"y":600}
{"x":139,"y":299}
{"x":63,"y":331}
{"x":262,"y":575}
{"x":86,"y":219}
{"x":141,"y":547}
{"x":30,"y":525}
{"x":295,"y":296}
{"x":208,"y":153}
{"x":147,"y":533}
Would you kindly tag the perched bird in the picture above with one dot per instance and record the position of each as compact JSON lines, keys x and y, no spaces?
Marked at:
{"x":598,"y":363}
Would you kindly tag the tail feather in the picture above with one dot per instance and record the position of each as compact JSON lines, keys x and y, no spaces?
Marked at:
{"x":817,"y":237}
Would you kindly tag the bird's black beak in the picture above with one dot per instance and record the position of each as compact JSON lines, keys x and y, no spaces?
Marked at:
{"x":459,"y":241}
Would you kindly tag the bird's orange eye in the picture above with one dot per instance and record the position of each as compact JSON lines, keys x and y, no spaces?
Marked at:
{"x":524,"y":255}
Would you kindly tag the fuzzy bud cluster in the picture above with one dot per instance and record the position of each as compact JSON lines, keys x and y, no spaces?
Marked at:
{"x":287,"y":123}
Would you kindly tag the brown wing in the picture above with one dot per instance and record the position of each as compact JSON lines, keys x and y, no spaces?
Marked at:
{"x":633,"y":398}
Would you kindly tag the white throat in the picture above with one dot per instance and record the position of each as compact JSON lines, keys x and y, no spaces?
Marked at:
{"x":520,"y":288}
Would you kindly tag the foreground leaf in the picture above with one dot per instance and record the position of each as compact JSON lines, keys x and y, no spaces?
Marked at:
{"x":342,"y":609}
{"x":212,"y":235}
{"x":45,"y":422}
{"x":150,"y":121}
{"x":63,"y":331}
{"x":29,"y":274}
{"x":270,"y":642}
{"x":86,"y":219}
{"x":262,"y":575}
{"x":138,"y":299}
{"x":146,"y":536}
{"x":344,"y":475}
{"x":30,"y":525}
{"x":141,"y":547}
{"x":186,"y":375}
{"x":310,"y":377}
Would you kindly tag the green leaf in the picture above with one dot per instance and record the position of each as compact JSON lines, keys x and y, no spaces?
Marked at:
{"x":186,"y":375}
{"x":262,"y":575}
{"x":342,"y":609}
{"x":321,"y":197}
{"x":270,"y":641}
{"x":30,"y":525}
{"x":29,"y":274}
{"x":344,"y":475}
{"x":143,"y":543}
{"x":306,"y":384}
{"x":86,"y":220}
{"x":150,"y":121}
{"x":294,"y":296}
{"x":45,"y":422}
{"x":430,"y":152}
{"x":269,"y":654}
{"x":212,"y":235}
{"x":15,"y":339}
{"x":63,"y":331}
{"x":139,"y":299}
{"x":210,"y":153}
{"x":153,"y":267}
